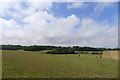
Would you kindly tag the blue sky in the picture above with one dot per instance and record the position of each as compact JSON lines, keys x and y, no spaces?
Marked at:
{"x":61,"y":10}
{"x":60,"y":23}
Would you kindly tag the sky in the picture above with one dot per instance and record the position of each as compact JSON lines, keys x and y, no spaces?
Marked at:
{"x":93,"y":24}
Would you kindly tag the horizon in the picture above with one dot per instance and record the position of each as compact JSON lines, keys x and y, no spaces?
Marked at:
{"x":60,"y":46}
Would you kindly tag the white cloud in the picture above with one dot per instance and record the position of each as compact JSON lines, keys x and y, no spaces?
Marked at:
{"x":99,"y":8}
{"x":3,"y":8}
{"x":16,"y":10}
{"x":43,"y":28}
{"x":58,"y":32}
{"x":97,"y":34}
{"x":76,"y":5}
{"x":38,"y":29}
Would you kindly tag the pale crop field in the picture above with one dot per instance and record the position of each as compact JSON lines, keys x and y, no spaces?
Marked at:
{"x":28,"y":64}
{"x":111,"y":54}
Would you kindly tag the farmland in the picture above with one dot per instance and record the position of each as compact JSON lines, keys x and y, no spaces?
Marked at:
{"x":35,"y":64}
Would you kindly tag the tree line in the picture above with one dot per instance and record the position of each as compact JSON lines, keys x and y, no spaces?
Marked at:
{"x":54,"y":49}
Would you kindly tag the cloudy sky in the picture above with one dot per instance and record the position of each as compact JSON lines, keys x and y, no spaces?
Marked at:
{"x":59,"y":23}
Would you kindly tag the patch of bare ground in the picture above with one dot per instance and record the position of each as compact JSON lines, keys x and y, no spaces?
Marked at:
{"x":111,"y":54}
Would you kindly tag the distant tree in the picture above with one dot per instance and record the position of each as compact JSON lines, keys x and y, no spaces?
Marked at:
{"x":55,"y":49}
{"x":12,"y":47}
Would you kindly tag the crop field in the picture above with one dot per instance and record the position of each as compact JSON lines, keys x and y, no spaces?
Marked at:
{"x":111,"y":54}
{"x":35,"y":64}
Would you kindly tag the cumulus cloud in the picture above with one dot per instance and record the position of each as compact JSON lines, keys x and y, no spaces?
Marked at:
{"x":43,"y":28}
{"x":76,"y":5}
{"x":97,"y":34}
{"x":40,"y":30}
{"x":19,"y":10}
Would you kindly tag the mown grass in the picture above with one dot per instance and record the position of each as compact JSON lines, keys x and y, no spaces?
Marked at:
{"x":28,"y":64}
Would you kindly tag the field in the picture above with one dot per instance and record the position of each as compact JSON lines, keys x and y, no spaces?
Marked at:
{"x":28,"y":64}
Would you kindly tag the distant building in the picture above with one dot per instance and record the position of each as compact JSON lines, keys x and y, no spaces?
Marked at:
{"x":88,"y":52}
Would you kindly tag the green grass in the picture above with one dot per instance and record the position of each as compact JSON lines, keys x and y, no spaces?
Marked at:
{"x":28,"y":64}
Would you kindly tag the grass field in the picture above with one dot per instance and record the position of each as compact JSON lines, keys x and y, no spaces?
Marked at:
{"x":27,"y":64}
